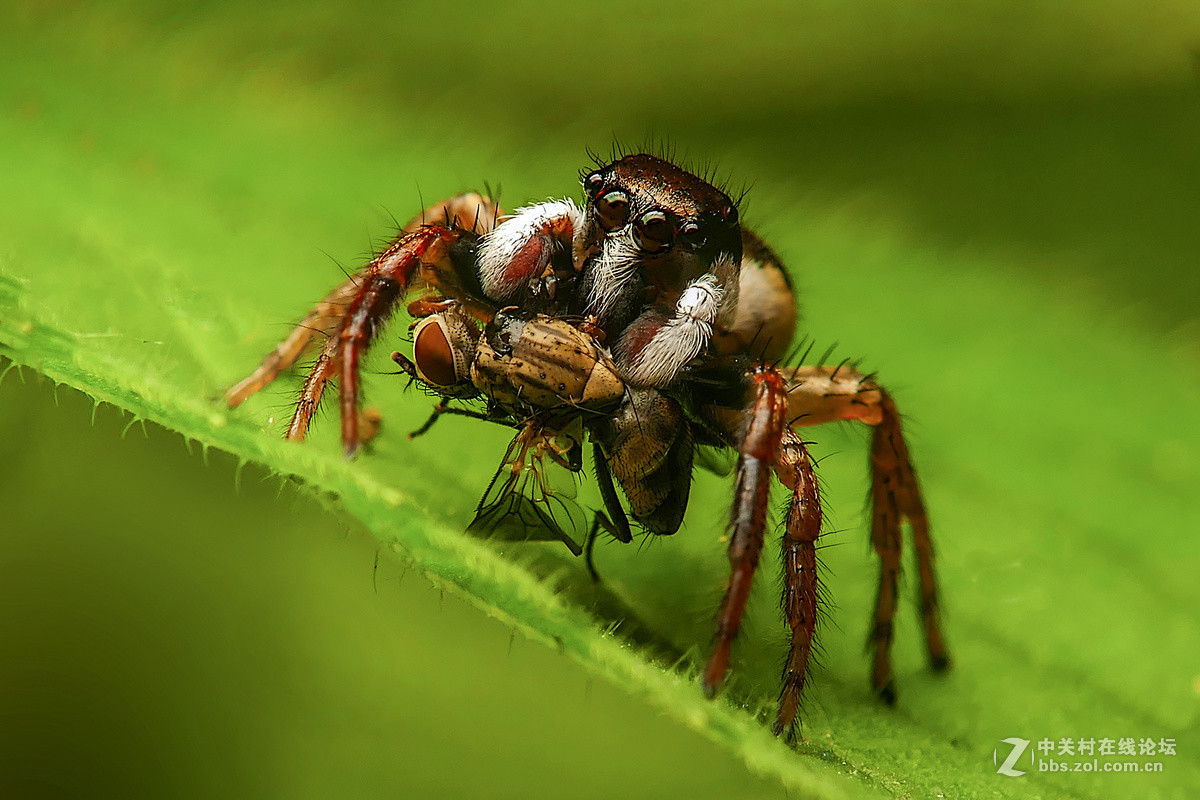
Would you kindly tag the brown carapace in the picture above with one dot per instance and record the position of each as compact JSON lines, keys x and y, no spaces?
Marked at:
{"x":647,"y":321}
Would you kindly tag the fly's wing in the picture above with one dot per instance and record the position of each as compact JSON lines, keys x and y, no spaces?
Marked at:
{"x":522,"y":505}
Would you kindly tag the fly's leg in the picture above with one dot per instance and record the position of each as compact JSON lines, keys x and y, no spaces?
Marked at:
{"x":614,"y":521}
{"x":819,"y":394}
{"x":442,"y":408}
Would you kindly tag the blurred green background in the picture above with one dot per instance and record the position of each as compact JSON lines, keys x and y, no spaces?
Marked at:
{"x":993,"y":203}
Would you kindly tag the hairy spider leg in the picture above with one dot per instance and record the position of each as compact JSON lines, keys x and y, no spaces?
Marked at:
{"x":350,"y":316}
{"x":759,"y":449}
{"x":421,"y":255}
{"x":470,"y":211}
{"x":322,"y":320}
{"x":354,"y":313}
{"x":801,"y":582}
{"x":820,"y":394}
{"x":896,"y":495}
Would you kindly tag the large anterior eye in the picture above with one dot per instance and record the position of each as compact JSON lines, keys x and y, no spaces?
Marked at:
{"x":654,"y":232}
{"x":612,"y":209}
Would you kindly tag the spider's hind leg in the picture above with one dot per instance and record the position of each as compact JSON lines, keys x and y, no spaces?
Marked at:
{"x":819,"y":394}
{"x":896,"y":494}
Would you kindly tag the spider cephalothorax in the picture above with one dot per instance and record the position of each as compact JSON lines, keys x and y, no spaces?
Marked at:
{"x":647,"y":322}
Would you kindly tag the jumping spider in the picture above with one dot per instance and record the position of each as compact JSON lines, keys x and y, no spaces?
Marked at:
{"x":646,"y":322}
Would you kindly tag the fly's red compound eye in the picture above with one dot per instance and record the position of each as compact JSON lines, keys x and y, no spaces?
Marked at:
{"x":612,"y":209}
{"x":654,"y":232}
{"x":436,"y":361}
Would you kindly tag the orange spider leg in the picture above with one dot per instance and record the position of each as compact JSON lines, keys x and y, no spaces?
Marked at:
{"x":801,"y":583}
{"x":420,"y":256}
{"x":819,"y":394}
{"x":353,"y":314}
{"x":323,"y":319}
{"x":471,"y":212}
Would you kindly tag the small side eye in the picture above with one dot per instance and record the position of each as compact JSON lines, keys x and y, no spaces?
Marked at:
{"x":654,"y":232}
{"x":612,"y":209}
{"x":691,"y":236}
{"x":730,"y":215}
{"x":593,"y":183}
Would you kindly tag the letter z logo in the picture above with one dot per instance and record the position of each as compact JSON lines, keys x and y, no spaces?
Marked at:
{"x":1018,"y":750}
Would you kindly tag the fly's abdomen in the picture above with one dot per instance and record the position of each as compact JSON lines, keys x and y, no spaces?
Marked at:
{"x":649,"y":447}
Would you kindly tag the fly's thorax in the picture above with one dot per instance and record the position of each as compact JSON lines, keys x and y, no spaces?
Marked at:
{"x":542,"y":362}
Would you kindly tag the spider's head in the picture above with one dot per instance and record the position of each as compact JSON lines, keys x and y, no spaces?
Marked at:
{"x":651,"y":223}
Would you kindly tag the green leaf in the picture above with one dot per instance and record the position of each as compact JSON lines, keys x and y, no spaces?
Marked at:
{"x":1011,"y":241}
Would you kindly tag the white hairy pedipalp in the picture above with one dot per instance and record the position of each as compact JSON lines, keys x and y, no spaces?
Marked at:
{"x":526,"y":234}
{"x":681,"y":338}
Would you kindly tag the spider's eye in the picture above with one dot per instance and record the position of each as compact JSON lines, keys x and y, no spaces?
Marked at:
{"x":612,"y":209}
{"x":654,"y":232}
{"x":593,"y":183}
{"x":691,"y":236}
{"x":729,"y":215}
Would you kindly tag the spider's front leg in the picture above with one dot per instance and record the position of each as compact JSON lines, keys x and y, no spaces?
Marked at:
{"x":760,"y":441}
{"x":819,"y":394}
{"x":769,"y":444}
{"x":435,"y":250}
